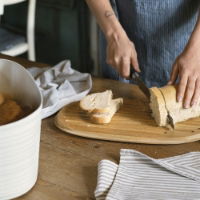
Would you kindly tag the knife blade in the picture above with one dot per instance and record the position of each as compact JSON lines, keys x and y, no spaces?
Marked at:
{"x":136,"y":77}
{"x":170,"y":121}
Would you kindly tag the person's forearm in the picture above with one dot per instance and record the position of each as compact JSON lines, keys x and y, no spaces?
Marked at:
{"x":120,"y":51}
{"x":105,"y":17}
{"x":194,"y":41}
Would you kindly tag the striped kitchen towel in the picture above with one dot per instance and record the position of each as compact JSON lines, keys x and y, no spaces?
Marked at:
{"x":140,"y":177}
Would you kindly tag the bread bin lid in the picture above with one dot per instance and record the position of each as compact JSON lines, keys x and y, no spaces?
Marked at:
{"x":16,"y":81}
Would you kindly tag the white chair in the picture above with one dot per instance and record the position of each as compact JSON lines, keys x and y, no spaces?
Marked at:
{"x":28,"y":45}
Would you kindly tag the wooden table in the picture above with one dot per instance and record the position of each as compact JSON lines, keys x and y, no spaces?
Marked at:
{"x":68,"y":164}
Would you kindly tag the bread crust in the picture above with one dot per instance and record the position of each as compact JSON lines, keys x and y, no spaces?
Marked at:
{"x":169,"y":94}
{"x":97,"y":119}
{"x":100,"y":110}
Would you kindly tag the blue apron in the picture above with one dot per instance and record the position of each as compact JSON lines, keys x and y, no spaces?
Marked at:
{"x":159,"y":29}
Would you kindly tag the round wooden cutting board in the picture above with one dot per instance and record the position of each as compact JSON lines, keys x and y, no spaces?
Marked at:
{"x":132,"y":123}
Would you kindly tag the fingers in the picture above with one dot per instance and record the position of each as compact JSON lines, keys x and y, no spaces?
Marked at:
{"x":126,"y":63}
{"x":122,"y":65}
{"x":134,"y":63}
{"x":109,"y":56}
{"x":174,"y":75}
{"x":112,"y":59}
{"x":134,"y":60}
{"x":189,"y":92}
{"x":182,"y":87}
{"x":121,"y":54}
{"x":196,"y":96}
{"x":125,"y":67}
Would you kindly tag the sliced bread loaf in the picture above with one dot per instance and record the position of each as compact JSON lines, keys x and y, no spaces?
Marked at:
{"x":176,"y":110}
{"x":163,"y":101}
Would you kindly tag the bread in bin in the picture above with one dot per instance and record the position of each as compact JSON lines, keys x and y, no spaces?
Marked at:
{"x":9,"y":111}
{"x":1,"y":98}
{"x":165,"y":101}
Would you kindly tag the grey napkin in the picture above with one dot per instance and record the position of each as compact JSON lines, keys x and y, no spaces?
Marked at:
{"x":60,"y":85}
{"x":139,"y":177}
{"x":9,"y":39}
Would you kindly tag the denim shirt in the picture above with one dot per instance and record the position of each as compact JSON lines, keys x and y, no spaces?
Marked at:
{"x":160,"y":29}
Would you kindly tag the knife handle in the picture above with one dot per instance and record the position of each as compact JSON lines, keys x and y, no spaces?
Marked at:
{"x":133,"y":73}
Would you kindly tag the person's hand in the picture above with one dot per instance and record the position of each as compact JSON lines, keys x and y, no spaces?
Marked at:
{"x":121,"y":54}
{"x":187,"y":69}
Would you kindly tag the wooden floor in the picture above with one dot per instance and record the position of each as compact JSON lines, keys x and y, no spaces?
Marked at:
{"x":68,"y":164}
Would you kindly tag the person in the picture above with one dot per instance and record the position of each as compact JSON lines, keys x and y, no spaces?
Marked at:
{"x":160,"y":39}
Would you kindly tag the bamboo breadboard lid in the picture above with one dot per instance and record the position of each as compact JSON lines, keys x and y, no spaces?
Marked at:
{"x":132,"y":123}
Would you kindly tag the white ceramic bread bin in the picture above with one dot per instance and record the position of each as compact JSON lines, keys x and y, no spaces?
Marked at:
{"x":19,"y":141}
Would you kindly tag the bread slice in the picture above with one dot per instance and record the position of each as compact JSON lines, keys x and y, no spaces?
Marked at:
{"x":100,"y":106}
{"x":97,"y":102}
{"x":104,"y":118}
{"x":157,"y":105}
{"x":176,"y":110}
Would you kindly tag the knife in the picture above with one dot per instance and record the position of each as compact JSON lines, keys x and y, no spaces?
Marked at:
{"x":136,"y":77}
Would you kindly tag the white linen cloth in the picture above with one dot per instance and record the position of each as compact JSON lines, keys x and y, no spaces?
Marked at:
{"x":140,"y":177}
{"x":60,"y":85}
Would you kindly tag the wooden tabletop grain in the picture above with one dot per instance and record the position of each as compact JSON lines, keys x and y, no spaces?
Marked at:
{"x":68,"y":164}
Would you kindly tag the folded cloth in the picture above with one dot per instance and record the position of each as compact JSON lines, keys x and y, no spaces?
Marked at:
{"x":60,"y":85}
{"x":9,"y":39}
{"x":139,"y":177}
